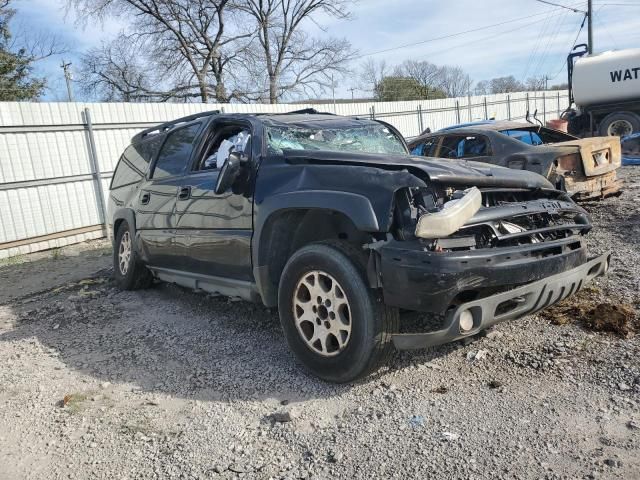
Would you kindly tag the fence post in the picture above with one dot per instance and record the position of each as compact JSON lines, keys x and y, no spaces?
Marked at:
{"x":457,"y":111}
{"x":95,"y":171}
{"x":559,"y":103}
{"x":509,"y":106}
{"x":469,"y":109}
{"x":544,"y":108}
{"x":486,"y":110}
{"x":372,"y":112}
{"x":527,"y":98}
{"x":420,"y":124}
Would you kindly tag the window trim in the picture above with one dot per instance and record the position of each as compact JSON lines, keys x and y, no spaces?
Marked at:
{"x":152,"y":168}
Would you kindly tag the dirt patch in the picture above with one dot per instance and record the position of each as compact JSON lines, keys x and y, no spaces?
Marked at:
{"x":589,"y":309}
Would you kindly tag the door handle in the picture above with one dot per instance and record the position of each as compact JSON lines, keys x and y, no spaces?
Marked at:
{"x":185,"y":193}
{"x":145,"y":197}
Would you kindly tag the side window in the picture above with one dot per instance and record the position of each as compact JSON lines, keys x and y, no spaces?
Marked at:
{"x":449,"y":147}
{"x":457,"y":146}
{"x":425,"y":148}
{"x":525,"y":136}
{"x":226,"y":139}
{"x":134,"y":163}
{"x":473,"y":146}
{"x":175,"y":152}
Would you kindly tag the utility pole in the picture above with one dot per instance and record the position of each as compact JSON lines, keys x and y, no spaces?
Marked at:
{"x":352,"y":90}
{"x":590,"y":25}
{"x":67,"y":77}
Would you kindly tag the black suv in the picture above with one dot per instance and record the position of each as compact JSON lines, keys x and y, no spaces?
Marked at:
{"x":329,"y":219}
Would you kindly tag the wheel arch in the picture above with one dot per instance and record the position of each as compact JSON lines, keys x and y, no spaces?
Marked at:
{"x":124,"y":215}
{"x":287,"y":222}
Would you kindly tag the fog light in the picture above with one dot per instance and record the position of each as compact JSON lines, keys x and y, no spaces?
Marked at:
{"x":466,"y":321}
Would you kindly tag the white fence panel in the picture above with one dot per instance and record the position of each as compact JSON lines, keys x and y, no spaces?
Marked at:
{"x":49,"y":193}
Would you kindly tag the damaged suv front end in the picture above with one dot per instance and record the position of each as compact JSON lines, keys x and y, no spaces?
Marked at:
{"x":482,"y":248}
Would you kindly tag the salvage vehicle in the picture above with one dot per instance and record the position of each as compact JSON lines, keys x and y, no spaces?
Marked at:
{"x":330,"y":220}
{"x":584,"y":168}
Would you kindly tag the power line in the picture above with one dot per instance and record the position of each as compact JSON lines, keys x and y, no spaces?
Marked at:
{"x":413,"y":44}
{"x":490,"y":37}
{"x":575,"y":10}
{"x":584,"y":19}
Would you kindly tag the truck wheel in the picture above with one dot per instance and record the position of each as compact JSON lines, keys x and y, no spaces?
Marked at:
{"x":128,"y":272}
{"x":335,"y":324}
{"x":619,"y":124}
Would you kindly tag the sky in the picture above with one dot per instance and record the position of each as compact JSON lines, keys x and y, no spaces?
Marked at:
{"x":522,"y":38}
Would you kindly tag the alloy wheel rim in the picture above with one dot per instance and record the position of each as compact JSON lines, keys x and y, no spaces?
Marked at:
{"x":620,"y":128}
{"x":124,"y":253}
{"x":322,"y":313}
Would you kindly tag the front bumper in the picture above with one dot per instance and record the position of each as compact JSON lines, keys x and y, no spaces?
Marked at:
{"x":509,"y":305}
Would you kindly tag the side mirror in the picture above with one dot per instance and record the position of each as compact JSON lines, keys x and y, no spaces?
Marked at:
{"x":229,"y":172}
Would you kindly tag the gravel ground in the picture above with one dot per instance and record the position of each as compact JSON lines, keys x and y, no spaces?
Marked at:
{"x":166,"y":383}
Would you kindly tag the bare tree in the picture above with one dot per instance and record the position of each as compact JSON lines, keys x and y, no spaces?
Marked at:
{"x":372,"y":74}
{"x":185,"y":36}
{"x":454,"y":81}
{"x":506,"y":85}
{"x":482,"y":88}
{"x":293,"y":61}
{"x":427,"y":75}
{"x":114,"y":72}
{"x":536,"y":83}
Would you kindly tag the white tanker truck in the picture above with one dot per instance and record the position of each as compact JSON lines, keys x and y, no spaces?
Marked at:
{"x":605,"y":89}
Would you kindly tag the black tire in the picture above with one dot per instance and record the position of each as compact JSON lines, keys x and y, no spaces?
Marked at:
{"x":371,"y":322}
{"x":629,"y":118}
{"x":135,"y":275}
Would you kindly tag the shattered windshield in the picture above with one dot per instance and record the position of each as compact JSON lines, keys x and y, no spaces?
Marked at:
{"x":366,"y":138}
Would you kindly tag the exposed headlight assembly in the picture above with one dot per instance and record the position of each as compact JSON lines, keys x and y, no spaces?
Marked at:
{"x":453,"y":216}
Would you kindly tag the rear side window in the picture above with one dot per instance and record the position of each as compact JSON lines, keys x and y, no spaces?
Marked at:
{"x":134,"y":163}
{"x":175,"y":152}
{"x":538,"y":135}
{"x":464,"y":147}
{"x":525,"y":136}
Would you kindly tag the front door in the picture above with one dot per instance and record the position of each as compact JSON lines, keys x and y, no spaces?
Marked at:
{"x":216,"y":229}
{"x":156,"y":202}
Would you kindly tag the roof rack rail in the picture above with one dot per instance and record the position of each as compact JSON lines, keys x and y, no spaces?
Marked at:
{"x":163,"y":127}
{"x":310,"y":111}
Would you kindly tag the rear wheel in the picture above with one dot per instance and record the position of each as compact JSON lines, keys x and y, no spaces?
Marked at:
{"x":336,"y":326}
{"x":128,"y":272}
{"x":619,"y":124}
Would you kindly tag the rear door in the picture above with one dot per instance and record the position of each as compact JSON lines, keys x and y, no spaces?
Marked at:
{"x":216,"y":229}
{"x":155,"y":206}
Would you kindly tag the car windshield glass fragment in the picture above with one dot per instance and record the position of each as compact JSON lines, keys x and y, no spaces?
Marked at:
{"x":367,"y":139}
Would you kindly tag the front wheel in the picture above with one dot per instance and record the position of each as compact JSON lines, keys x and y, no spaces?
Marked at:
{"x":335,"y":324}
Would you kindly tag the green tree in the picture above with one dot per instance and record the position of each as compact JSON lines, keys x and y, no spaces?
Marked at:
{"x":16,"y":65}
{"x":399,"y":88}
